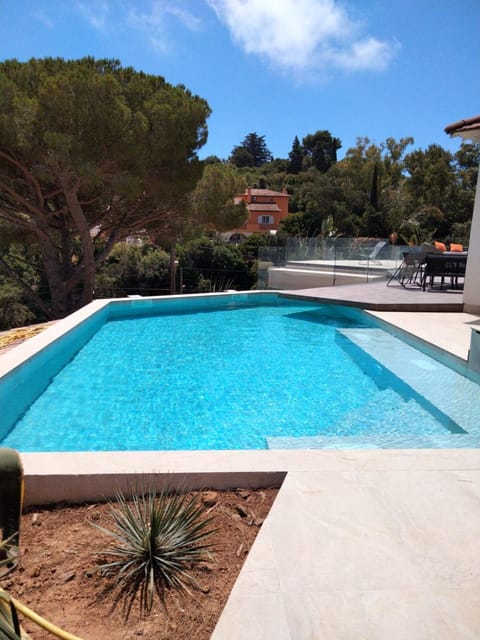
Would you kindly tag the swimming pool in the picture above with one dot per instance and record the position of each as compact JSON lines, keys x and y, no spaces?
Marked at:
{"x":240,"y":371}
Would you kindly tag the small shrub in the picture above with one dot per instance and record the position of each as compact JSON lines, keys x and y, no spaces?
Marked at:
{"x":158,"y":539}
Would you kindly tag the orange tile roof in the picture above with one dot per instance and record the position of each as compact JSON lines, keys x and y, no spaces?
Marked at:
{"x":468,"y":128}
{"x":266,"y":192}
{"x":261,"y":206}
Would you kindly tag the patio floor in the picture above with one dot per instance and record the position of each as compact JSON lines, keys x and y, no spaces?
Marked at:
{"x":377,"y":296}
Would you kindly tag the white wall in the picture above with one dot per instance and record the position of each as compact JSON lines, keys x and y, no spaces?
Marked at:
{"x":471,"y":290}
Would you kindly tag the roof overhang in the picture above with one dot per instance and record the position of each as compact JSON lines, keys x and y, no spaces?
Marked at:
{"x":468,"y":129}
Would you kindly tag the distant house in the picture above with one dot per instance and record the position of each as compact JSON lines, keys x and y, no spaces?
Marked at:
{"x":265,"y":210}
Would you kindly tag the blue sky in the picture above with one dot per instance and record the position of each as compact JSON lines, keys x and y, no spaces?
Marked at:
{"x":280,"y":68}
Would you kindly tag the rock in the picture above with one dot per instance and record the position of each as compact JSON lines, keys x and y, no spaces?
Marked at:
{"x":243,"y":493}
{"x":35,"y":520}
{"x":66,"y":577}
{"x":210,"y":498}
{"x":243,"y":512}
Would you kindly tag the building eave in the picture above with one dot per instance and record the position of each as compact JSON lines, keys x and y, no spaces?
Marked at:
{"x":468,"y":129}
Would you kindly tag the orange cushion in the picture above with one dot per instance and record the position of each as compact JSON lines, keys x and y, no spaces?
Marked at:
{"x":456,"y":247}
{"x":440,"y":245}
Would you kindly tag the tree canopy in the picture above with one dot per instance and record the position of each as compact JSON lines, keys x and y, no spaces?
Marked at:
{"x":321,"y":148}
{"x":212,"y":201}
{"x":90,"y":153}
{"x":253,"y":152}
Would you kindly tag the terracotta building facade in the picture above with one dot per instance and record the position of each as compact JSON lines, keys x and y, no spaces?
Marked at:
{"x":265,"y":210}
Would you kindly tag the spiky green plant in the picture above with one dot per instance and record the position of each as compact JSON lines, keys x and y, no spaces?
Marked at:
{"x":158,"y":538}
{"x":8,"y":554}
{"x":9,"y":626}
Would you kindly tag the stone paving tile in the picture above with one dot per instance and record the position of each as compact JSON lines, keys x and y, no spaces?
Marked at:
{"x":377,"y":296}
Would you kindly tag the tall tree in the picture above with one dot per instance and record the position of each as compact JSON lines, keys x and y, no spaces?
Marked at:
{"x":321,"y":147}
{"x":213,"y":203}
{"x":240,"y":158}
{"x":90,"y":153}
{"x":256,"y":147}
{"x":295,"y":157}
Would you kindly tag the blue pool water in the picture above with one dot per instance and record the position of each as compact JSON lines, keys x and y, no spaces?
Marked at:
{"x":242,"y":377}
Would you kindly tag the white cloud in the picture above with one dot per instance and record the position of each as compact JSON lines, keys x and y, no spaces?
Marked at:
{"x":369,"y":53}
{"x":43,"y":18}
{"x":188,"y":19}
{"x":303,"y":35}
{"x":154,"y":22}
{"x":153,"y":18}
{"x":95,"y":13}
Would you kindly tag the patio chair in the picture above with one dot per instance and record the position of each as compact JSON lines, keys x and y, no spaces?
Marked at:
{"x":409,"y":272}
{"x":374,"y":253}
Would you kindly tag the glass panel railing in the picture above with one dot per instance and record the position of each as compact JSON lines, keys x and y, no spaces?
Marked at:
{"x":334,"y":260}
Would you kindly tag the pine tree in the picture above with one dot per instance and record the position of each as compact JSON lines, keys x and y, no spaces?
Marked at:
{"x":295,"y":157}
{"x":254,"y":145}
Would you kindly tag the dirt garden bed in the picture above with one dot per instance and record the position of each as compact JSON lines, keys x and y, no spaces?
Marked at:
{"x":56,"y":576}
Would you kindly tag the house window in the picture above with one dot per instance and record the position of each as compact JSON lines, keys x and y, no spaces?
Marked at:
{"x":265,"y":220}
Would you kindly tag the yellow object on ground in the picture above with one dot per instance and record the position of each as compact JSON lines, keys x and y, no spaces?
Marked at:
{"x":9,"y":607}
{"x":20,"y":334}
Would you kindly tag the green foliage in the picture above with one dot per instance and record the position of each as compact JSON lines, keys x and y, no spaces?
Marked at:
{"x":321,"y":149}
{"x":294,"y":225}
{"x":90,"y":150}
{"x":460,"y":233}
{"x":213,"y":202}
{"x":9,"y":625}
{"x":215,"y":285}
{"x":422,"y":226}
{"x":158,"y":539}
{"x":249,"y":246}
{"x":240,"y":157}
{"x":252,"y":152}
{"x":295,"y":157}
{"x":21,"y":264}
{"x":132,"y":269}
{"x":206,"y":259}
{"x":13,"y":311}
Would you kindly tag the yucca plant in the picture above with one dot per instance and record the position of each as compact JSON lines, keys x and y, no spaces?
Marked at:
{"x":159,"y":537}
{"x":8,"y":554}
{"x":9,"y":626}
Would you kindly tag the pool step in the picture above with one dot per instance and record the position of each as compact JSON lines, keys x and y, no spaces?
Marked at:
{"x":372,"y":441}
{"x":387,"y":413}
{"x":424,"y":381}
{"x":387,"y":421}
{"x":426,"y":376}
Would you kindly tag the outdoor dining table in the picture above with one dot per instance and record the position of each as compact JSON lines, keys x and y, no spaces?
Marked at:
{"x":448,"y":264}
